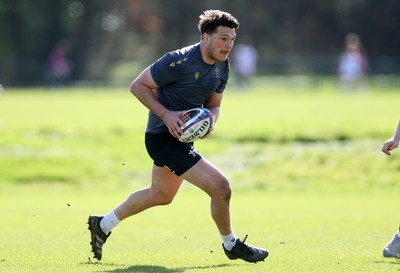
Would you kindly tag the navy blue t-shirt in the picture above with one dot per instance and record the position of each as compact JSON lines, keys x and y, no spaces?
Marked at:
{"x":185,"y":81}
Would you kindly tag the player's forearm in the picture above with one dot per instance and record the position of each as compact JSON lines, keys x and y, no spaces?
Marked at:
{"x":147,"y":97}
{"x":215,"y":110}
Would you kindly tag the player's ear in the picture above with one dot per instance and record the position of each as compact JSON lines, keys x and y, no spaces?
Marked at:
{"x":206,"y":37}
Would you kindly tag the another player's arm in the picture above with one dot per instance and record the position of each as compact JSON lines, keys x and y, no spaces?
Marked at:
{"x":142,"y":88}
{"x":213,"y":103}
{"x":393,"y":142}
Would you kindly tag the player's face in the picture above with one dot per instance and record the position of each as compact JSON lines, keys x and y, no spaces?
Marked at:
{"x":219,"y":44}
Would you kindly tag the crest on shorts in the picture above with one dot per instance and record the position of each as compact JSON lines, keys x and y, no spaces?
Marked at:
{"x":193,"y":152}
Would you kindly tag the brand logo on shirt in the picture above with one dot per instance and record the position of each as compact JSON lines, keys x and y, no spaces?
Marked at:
{"x":173,"y":64}
{"x":216,"y":70}
{"x":197,"y":74}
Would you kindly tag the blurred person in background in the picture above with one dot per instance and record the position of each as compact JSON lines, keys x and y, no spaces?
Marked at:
{"x":245,"y":61}
{"x":353,"y":64}
{"x":59,"y":66}
{"x":190,"y":77}
{"x":392,"y":249}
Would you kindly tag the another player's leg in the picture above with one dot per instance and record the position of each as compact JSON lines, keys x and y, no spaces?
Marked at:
{"x":208,"y":178}
{"x":392,"y":249}
{"x":162,"y":191}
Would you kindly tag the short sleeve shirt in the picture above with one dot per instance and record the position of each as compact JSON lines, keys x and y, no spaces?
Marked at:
{"x":185,"y":81}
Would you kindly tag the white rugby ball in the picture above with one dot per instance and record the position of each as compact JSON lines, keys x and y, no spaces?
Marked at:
{"x":197,"y":124}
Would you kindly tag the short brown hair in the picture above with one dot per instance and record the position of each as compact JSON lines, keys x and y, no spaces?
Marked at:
{"x":211,"y":19}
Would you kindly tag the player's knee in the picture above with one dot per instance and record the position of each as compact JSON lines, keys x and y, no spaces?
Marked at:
{"x":164,"y":202}
{"x":223,"y":189}
{"x":162,"y":199}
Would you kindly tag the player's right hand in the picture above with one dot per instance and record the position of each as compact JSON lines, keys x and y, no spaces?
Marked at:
{"x":174,"y":123}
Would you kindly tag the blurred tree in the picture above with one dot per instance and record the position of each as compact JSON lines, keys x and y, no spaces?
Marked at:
{"x":292,"y":36}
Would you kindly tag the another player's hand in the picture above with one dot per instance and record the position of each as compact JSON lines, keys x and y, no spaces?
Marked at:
{"x":389,"y":145}
{"x":174,"y":123}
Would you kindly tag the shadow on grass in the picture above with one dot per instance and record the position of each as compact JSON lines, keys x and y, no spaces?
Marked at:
{"x":162,"y":269}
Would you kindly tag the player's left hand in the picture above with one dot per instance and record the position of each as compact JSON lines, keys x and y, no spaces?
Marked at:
{"x":211,"y":128}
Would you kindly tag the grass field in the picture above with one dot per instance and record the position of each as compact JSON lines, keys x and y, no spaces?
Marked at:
{"x":310,"y":183}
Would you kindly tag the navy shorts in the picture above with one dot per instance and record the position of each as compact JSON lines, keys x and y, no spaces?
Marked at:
{"x":167,"y":151}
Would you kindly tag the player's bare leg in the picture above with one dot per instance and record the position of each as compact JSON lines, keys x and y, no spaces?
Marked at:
{"x":208,"y":178}
{"x":164,"y":186}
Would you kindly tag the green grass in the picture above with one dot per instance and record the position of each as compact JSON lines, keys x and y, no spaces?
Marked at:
{"x":310,"y":183}
{"x":43,"y":230}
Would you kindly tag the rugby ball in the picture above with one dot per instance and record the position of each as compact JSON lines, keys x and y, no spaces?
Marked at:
{"x":197,"y":124}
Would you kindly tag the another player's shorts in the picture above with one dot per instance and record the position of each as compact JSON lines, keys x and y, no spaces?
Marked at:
{"x":167,"y":151}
